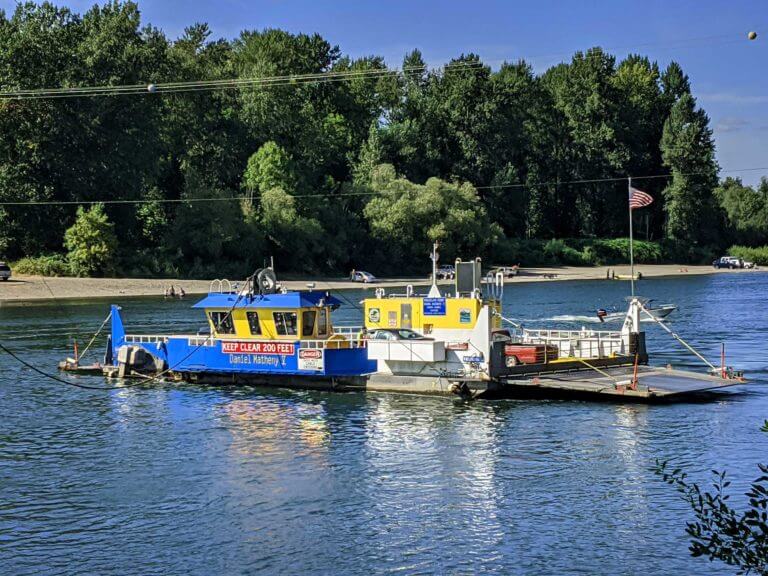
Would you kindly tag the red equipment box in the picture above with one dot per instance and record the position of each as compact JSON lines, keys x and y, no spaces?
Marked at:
{"x":529,"y":353}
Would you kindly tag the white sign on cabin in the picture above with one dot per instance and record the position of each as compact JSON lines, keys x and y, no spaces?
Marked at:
{"x":312,"y":359}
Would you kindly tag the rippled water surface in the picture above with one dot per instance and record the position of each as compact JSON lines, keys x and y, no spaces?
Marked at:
{"x":180,"y":479}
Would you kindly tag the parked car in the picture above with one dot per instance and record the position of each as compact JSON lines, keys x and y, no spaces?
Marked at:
{"x":5,"y":271}
{"x":362,"y":276}
{"x":395,"y":334}
{"x":749,"y":265}
{"x":729,"y":262}
{"x":506,"y":271}
{"x":446,"y":272}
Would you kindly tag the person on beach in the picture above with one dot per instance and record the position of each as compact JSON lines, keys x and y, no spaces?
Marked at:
{"x":181,"y":293}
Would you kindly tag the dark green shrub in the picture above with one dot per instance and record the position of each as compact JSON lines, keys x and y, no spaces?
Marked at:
{"x":47,"y":265}
{"x":558,"y":252}
{"x":757,"y":255}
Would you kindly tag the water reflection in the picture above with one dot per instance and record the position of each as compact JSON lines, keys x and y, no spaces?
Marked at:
{"x":266,"y":427}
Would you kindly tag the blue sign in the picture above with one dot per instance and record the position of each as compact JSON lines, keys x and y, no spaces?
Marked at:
{"x":434,"y":306}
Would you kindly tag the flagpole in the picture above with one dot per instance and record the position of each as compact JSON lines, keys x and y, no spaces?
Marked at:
{"x":631,"y":249}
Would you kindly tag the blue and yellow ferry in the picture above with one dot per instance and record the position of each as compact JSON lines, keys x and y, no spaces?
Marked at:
{"x":260,"y":335}
{"x":438,"y":342}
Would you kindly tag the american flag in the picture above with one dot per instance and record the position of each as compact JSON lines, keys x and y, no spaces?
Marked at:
{"x":638,"y":198}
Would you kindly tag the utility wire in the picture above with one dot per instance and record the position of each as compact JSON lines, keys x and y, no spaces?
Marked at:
{"x":200,"y":85}
{"x":316,"y":77}
{"x":352,"y":194}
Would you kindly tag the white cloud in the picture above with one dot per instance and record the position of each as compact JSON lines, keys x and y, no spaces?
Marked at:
{"x":731,"y":98}
{"x":730,"y":124}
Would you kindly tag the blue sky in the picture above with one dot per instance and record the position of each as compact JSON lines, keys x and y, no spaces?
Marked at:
{"x":708,"y":38}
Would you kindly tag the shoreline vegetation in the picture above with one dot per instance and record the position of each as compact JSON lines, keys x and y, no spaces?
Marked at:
{"x":22,"y":288}
{"x":365,"y":171}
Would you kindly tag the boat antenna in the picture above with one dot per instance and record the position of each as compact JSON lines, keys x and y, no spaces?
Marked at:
{"x":434,"y":291}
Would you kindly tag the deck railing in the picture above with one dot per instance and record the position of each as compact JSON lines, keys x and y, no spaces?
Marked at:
{"x":347,"y":337}
{"x":580,"y":343}
{"x":348,"y":331}
{"x":144,"y":338}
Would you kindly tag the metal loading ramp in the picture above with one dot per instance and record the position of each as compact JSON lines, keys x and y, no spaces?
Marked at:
{"x":652,"y":382}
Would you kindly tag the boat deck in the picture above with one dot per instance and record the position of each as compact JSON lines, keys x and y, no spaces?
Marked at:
{"x":652,"y":382}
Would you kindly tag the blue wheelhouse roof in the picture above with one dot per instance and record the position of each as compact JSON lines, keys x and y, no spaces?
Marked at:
{"x":304,"y":299}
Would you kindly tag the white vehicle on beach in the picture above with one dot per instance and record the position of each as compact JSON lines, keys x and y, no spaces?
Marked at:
{"x":729,"y":262}
{"x":5,"y":271}
{"x":362,"y":276}
{"x":446,"y":272}
{"x":506,"y":271}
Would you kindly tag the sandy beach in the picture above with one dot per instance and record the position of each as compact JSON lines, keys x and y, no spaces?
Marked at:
{"x":22,"y":288}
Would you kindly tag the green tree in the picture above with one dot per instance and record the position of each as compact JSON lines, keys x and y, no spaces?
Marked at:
{"x":586,"y":94}
{"x":746,"y":210}
{"x":270,"y":167}
{"x":407,"y":218}
{"x":689,"y":151}
{"x":91,"y":242}
{"x":675,"y":84}
{"x":370,"y":156}
{"x":210,"y":233}
{"x":296,"y":240}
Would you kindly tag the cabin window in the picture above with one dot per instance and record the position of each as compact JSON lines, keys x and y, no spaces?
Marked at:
{"x":253,"y":323}
{"x":222,"y":322}
{"x":285,"y":323}
{"x":322,"y":322}
{"x":308,"y":323}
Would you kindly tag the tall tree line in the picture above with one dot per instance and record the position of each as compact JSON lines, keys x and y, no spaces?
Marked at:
{"x":329,"y":175}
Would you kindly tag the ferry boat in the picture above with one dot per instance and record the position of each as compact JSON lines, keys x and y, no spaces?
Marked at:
{"x":457,"y":342}
{"x":260,"y":335}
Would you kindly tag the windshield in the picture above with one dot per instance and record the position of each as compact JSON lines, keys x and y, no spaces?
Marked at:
{"x":408,"y":335}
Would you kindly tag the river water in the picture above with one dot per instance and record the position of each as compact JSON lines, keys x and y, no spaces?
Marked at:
{"x":180,"y":479}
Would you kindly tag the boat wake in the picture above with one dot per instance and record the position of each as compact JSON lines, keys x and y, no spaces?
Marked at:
{"x":573,"y":318}
{"x":577,"y":318}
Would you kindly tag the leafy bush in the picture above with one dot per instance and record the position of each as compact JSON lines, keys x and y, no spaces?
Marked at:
{"x":574,"y":252}
{"x":558,"y":252}
{"x":616,"y":251}
{"x":91,"y":242}
{"x":720,"y":531}
{"x":757,"y":255}
{"x":48,"y":265}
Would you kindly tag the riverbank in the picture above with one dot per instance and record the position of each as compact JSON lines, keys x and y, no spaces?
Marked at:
{"x":28,"y":288}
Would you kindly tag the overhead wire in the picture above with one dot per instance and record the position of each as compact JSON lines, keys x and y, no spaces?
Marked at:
{"x":199,"y":85}
{"x":331,"y":195}
{"x":330,"y":75}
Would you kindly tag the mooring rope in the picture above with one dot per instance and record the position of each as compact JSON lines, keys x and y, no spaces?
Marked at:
{"x":596,"y":369}
{"x":34,"y":368}
{"x":96,"y":335}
